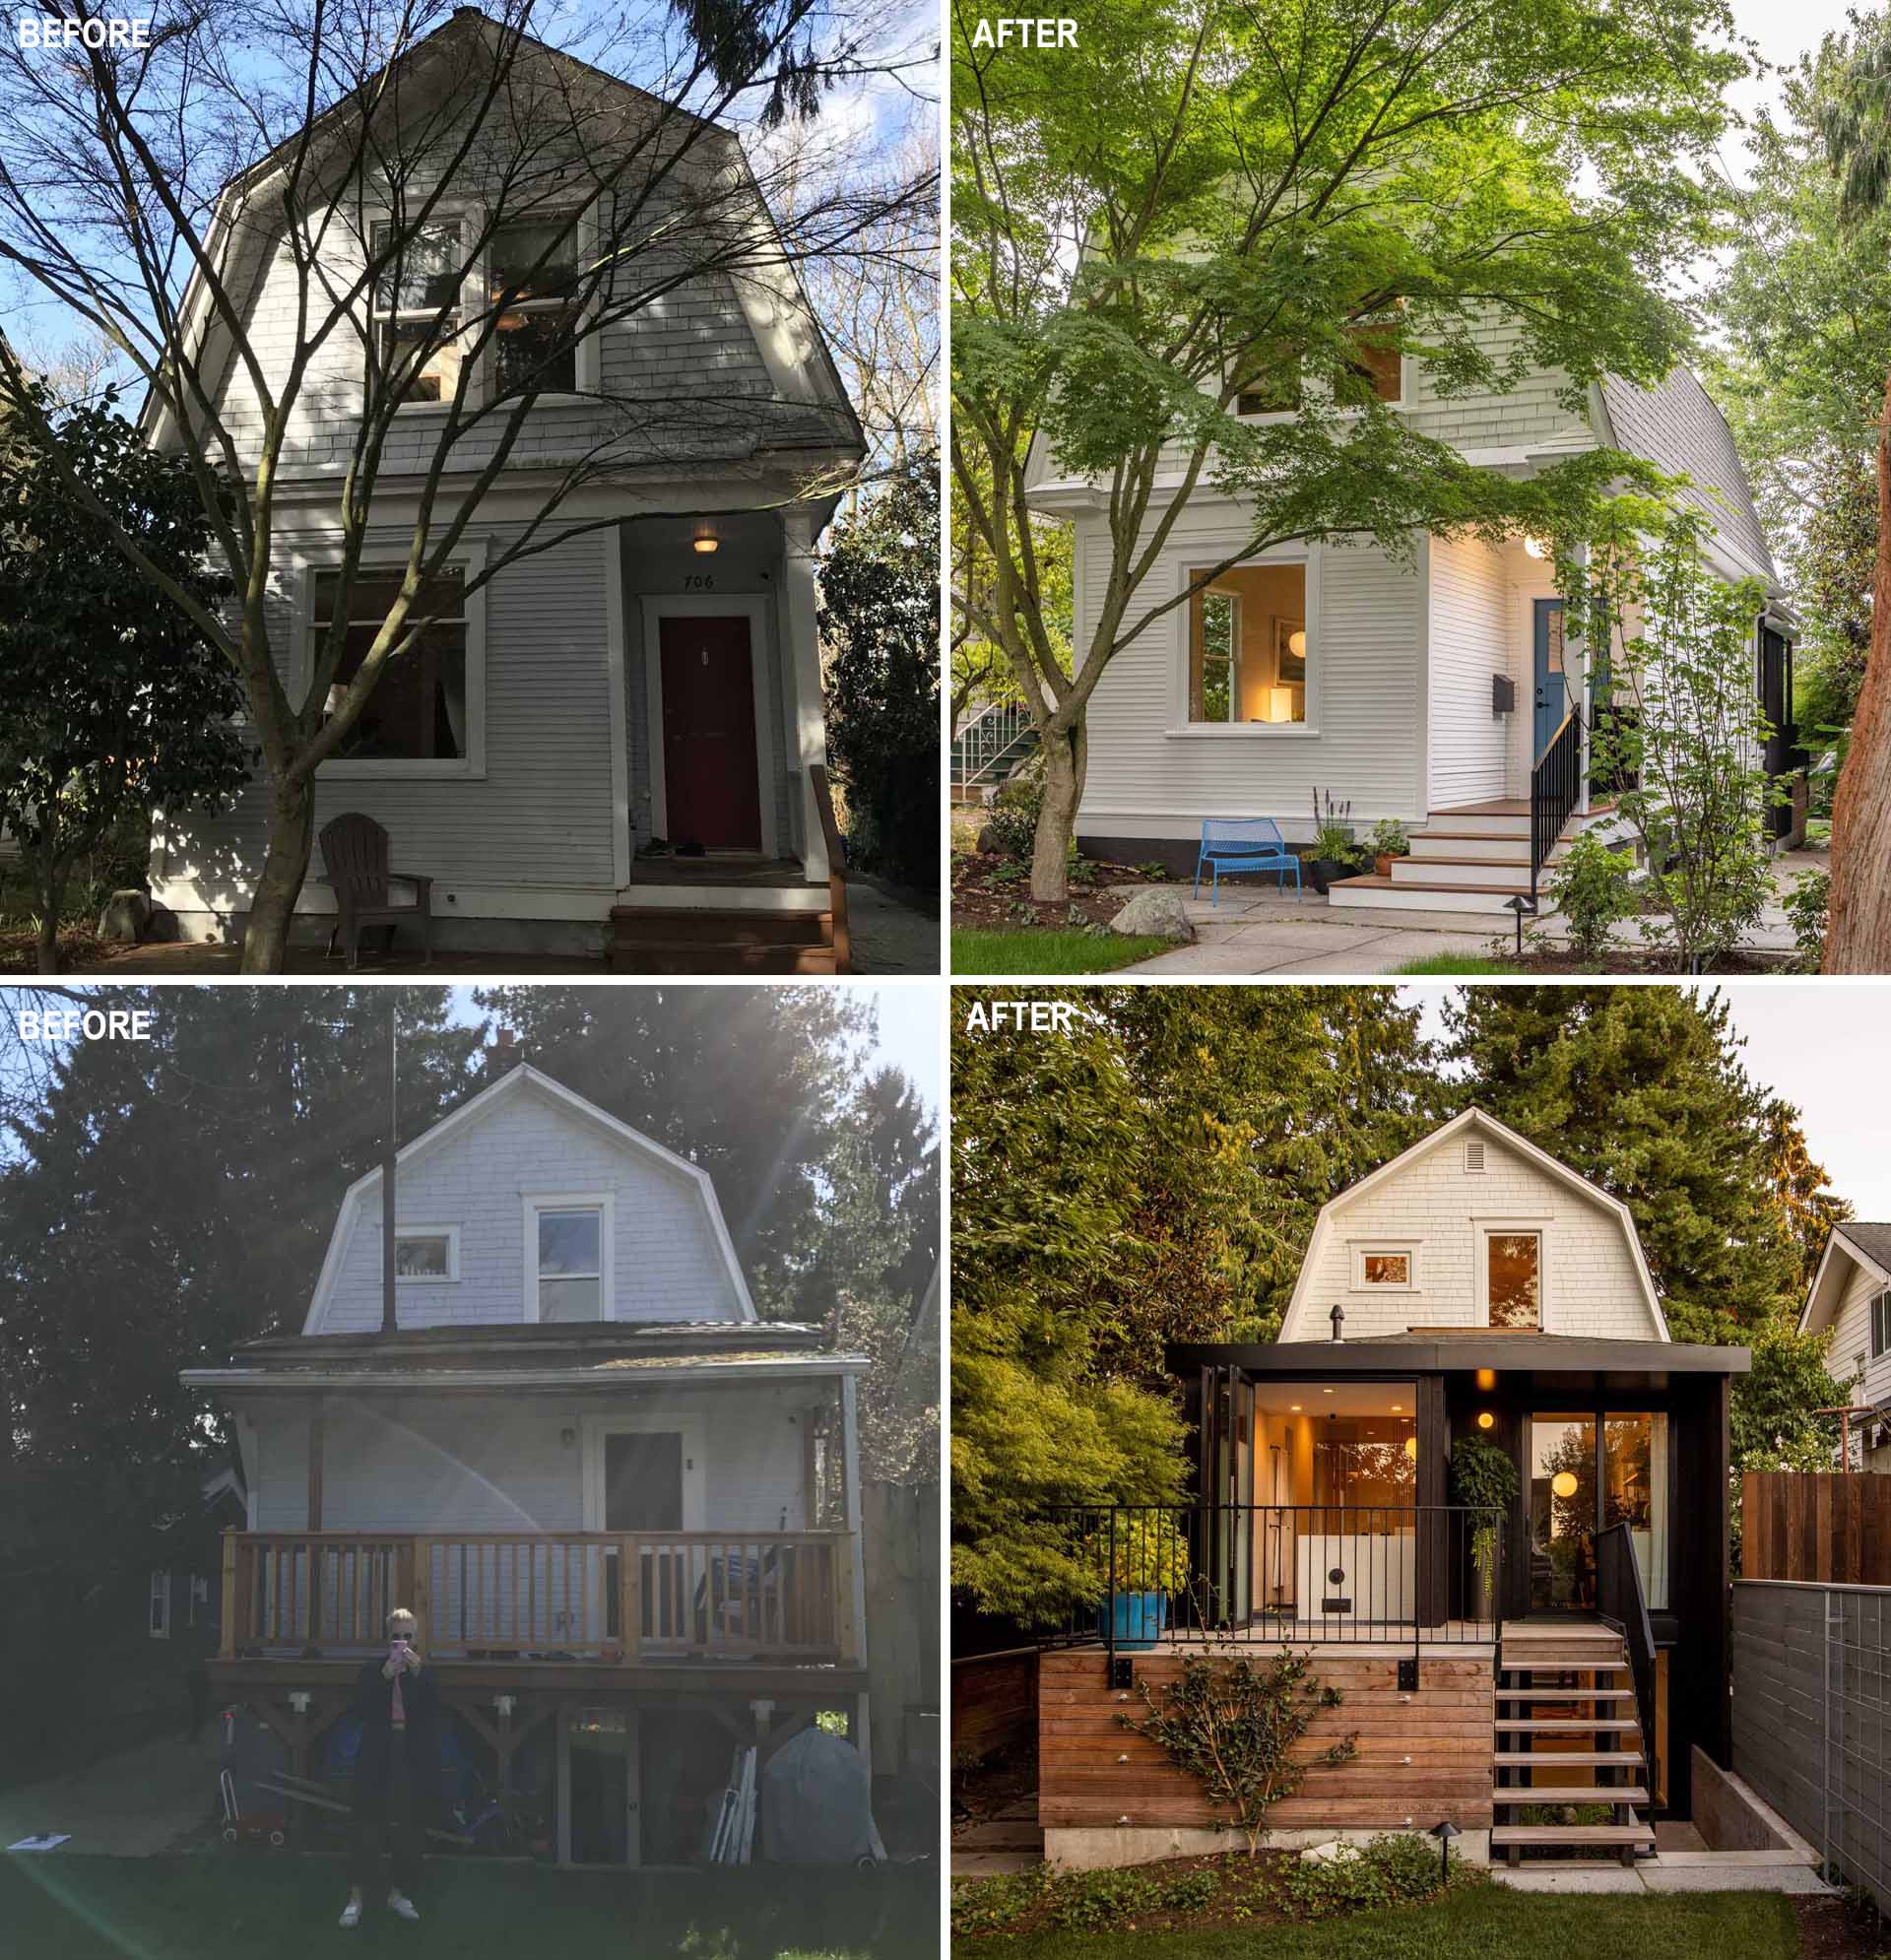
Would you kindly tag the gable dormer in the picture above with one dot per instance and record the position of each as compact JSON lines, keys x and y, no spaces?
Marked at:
{"x":1474,"y":1227}
{"x":529,"y":1204}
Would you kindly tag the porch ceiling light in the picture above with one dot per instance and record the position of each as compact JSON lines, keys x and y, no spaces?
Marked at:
{"x":1485,"y":1418}
{"x":1563,"y":1483}
{"x":705,"y":540}
{"x":1536,"y":548}
{"x":1293,"y":1407}
{"x":1487,"y":1378}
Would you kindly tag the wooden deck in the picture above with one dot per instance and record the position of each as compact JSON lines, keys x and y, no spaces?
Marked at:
{"x":558,"y":1600}
{"x":730,"y":867}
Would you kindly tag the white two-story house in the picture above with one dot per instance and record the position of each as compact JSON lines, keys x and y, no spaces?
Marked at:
{"x":1432,"y":689}
{"x":1850,"y":1299}
{"x":624,"y":1509}
{"x":618,"y":739}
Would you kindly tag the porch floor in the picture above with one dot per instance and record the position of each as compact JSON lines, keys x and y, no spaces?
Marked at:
{"x":732,"y":868}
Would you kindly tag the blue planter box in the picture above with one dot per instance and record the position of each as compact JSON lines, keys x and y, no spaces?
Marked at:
{"x":1138,"y":1618}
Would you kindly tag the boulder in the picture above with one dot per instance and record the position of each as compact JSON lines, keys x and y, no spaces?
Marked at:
{"x":1335,"y":1850}
{"x":1155,"y":910}
{"x":125,"y":916}
{"x":163,"y":929}
{"x":991,"y":841}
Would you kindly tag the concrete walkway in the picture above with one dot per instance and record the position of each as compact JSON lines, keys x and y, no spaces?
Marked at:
{"x":1673,"y":1871}
{"x":130,"y":1805}
{"x":1256,"y":930}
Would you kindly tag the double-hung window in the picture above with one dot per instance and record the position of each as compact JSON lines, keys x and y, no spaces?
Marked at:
{"x":567,"y":1249}
{"x":417,"y":308}
{"x":160,"y":1621}
{"x":418,"y":710}
{"x":533,"y":281}
{"x":1880,"y":1325}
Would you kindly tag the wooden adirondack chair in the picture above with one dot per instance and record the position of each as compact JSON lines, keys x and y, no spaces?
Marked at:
{"x":354,"y":856}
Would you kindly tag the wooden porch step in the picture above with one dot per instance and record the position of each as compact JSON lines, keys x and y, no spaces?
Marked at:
{"x":1565,"y":1694}
{"x":1512,"y":1795}
{"x":719,"y":926}
{"x":1592,"y":1663}
{"x":1587,"y":1759}
{"x":729,"y":956}
{"x":1565,"y":1724}
{"x":1625,"y":1836}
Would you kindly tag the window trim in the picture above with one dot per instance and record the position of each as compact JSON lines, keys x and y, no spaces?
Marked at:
{"x":1310,"y":558}
{"x":1207,"y":593}
{"x":160,"y":1590}
{"x":450,"y":1233}
{"x":1878,"y":1314}
{"x":471,"y":220}
{"x":1405,"y":1248}
{"x":469,"y":558}
{"x":600,"y":1202}
{"x":1487,"y":1229}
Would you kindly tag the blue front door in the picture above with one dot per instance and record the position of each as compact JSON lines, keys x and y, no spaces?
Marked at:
{"x":1553,"y":696}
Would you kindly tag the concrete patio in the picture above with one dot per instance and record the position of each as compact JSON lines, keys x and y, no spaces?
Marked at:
{"x":1257,"y":928}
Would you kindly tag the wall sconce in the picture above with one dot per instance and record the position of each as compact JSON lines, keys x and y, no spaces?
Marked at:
{"x":705,"y":540}
{"x":1485,"y":1418}
{"x":1487,"y":1378}
{"x":1536,"y":548}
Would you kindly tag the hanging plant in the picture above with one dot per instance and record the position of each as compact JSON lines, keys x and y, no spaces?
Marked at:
{"x":1483,"y":1477}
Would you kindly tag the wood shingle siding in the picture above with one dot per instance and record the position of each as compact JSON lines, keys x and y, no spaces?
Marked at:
{"x":1094,"y":1773}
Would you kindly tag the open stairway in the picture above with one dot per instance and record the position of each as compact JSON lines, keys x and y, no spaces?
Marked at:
{"x":1567,"y":1733}
{"x":1474,"y":859}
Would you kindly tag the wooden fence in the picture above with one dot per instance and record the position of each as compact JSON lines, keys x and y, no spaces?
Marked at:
{"x":1817,"y":1527}
{"x":994,"y":1703}
{"x":899,"y":1533}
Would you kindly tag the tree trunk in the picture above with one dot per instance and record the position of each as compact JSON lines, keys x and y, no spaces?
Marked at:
{"x":1066,"y":752}
{"x":49,"y":947}
{"x":291,"y":832}
{"x":52,"y":873}
{"x":1858,"y":930}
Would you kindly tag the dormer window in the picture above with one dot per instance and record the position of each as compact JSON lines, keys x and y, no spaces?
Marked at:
{"x":567,"y":1270}
{"x":417,"y":310}
{"x":1514,"y":1276}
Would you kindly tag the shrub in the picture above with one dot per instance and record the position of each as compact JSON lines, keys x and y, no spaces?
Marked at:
{"x":1399,"y":1868}
{"x":1807,"y":905}
{"x":1591,"y":888}
{"x":1011,"y":822}
{"x":1389,"y":838}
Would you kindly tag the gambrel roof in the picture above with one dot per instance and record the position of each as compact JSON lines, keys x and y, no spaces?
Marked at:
{"x":363,"y":1195}
{"x":1472,"y":1119}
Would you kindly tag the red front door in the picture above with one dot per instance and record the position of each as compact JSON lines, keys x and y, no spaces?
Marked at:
{"x":710,"y":734}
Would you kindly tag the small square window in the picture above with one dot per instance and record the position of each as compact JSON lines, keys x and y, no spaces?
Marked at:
{"x":1387,"y":1269}
{"x":427,"y":1255}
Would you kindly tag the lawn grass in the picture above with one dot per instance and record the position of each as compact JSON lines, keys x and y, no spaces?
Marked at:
{"x":242,"y":1905}
{"x":1477,"y":963}
{"x":1472,"y":1925}
{"x":1029,"y":950}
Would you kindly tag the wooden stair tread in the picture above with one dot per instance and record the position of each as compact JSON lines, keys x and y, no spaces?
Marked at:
{"x":1452,"y":858}
{"x":1628,"y":1759}
{"x":1565,"y":1724}
{"x":1565,"y":1694}
{"x":1510,"y":1796}
{"x":1572,"y":1834}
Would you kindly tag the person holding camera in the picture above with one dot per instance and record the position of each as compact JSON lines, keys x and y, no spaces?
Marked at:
{"x":397,"y":1772}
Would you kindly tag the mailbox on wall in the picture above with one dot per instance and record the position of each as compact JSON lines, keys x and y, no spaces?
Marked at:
{"x":1503,"y":694}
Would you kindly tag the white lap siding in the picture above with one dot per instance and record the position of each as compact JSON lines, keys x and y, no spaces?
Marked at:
{"x":1151,"y":776}
{"x":1442,"y":1212}
{"x":667,"y":1264}
{"x":542,"y":815}
{"x":1851,"y":1350}
{"x":1469,"y":644}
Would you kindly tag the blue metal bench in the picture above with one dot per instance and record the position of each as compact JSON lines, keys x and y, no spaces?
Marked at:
{"x":1244,"y":844}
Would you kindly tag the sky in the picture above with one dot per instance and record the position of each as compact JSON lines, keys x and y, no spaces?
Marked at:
{"x":1824,"y":1045}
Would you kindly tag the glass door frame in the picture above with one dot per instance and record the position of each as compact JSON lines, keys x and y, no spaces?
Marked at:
{"x":1598,"y":1414}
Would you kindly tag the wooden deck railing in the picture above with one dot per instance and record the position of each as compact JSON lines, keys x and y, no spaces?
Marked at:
{"x":611,"y":1597}
{"x":836,"y":865}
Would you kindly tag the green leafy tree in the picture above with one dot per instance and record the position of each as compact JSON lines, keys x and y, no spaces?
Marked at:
{"x":878,"y":621}
{"x":113,"y":704}
{"x":1199,"y":202}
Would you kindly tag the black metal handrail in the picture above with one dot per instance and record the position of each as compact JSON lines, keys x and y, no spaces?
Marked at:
{"x":1554,"y":788}
{"x":1621,"y":1602}
{"x":1283,"y":1573}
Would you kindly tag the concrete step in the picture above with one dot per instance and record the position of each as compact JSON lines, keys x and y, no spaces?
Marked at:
{"x":1480,"y":899}
{"x":1510,"y":1796}
{"x":1625,"y":1837}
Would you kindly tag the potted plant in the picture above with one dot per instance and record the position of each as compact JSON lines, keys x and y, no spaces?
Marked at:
{"x":1332,"y":853}
{"x":1148,"y":1565}
{"x":1483,"y":1477}
{"x":1389,"y":841}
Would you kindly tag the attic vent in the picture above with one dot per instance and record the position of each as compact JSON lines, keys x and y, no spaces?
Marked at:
{"x":1474,"y":1155}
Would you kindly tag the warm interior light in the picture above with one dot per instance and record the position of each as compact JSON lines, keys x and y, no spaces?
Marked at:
{"x":1279,"y":703}
{"x":1536,"y":548}
{"x":1396,"y":1407}
{"x":1485,"y":1418}
{"x":1297,"y":645}
{"x":1329,"y":1392}
{"x":1487,"y":1378}
{"x":1563,"y":1483}
{"x":706,"y":544}
{"x":1411,"y":1448}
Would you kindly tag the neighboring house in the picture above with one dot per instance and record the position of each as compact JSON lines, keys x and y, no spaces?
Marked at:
{"x":185,"y":1595}
{"x":624,"y":1510}
{"x":618,"y":739}
{"x":1433,"y":693}
{"x":1851,"y":1300}
{"x":1542,"y":1678}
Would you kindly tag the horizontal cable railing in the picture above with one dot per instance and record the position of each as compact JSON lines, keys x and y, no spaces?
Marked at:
{"x":611,"y":1595}
{"x":1280,"y":1573}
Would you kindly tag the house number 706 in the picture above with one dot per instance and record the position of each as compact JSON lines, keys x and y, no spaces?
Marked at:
{"x":698,"y":581}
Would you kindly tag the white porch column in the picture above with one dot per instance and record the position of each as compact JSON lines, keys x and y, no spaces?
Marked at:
{"x":801,"y":655}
